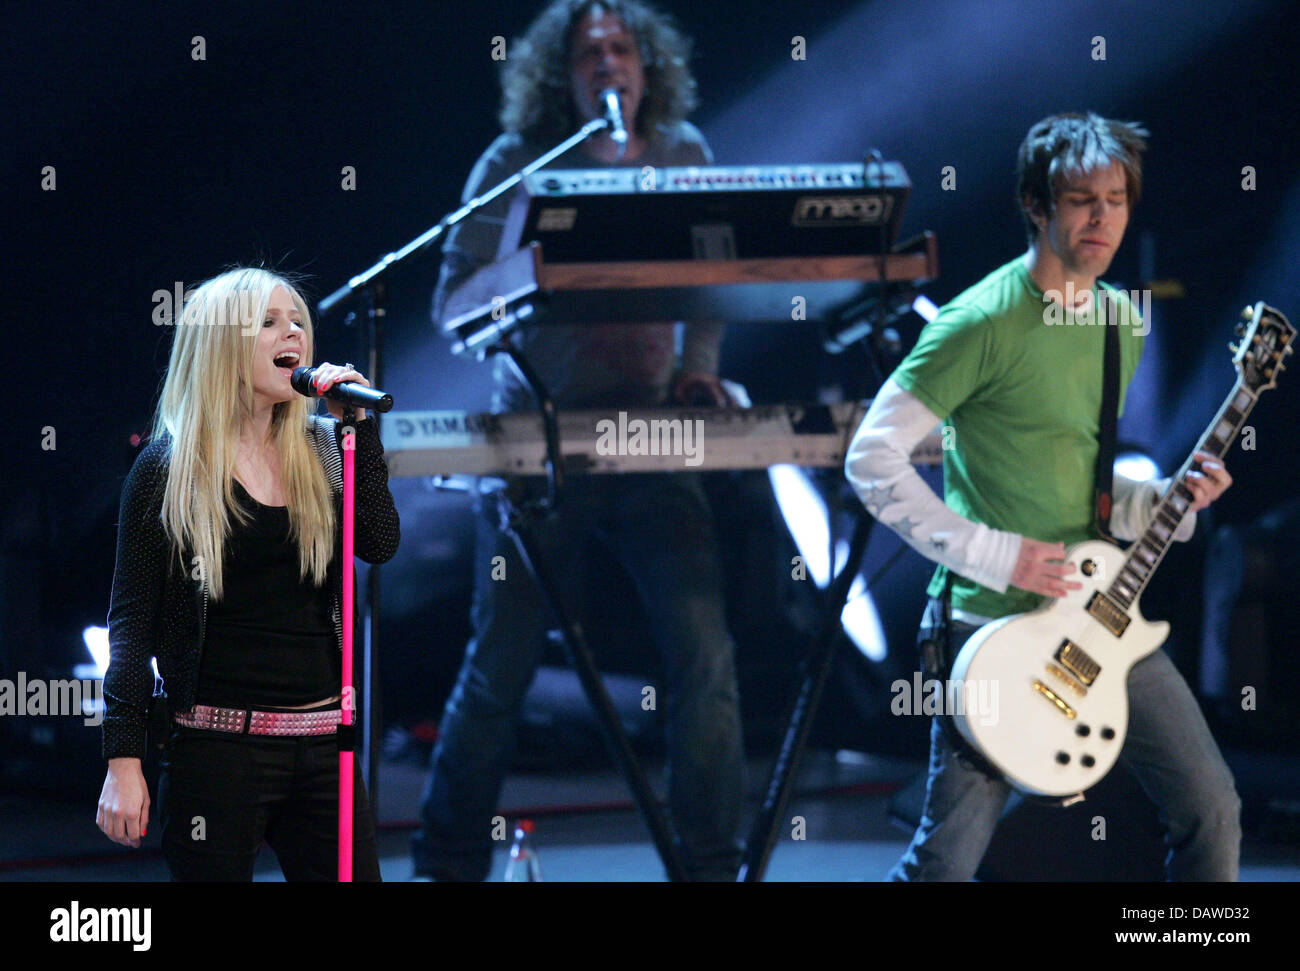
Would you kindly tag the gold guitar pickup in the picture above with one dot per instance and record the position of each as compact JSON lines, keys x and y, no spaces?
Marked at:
{"x":1076,"y":660}
{"x":1111,"y":615}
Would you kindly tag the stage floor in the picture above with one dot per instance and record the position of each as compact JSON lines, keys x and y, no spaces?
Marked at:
{"x":586,"y":828}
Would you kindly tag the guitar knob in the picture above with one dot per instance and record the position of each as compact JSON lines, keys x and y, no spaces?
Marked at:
{"x":1088,"y":567}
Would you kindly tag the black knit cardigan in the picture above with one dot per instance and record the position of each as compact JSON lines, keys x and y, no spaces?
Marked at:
{"x":158,"y":607}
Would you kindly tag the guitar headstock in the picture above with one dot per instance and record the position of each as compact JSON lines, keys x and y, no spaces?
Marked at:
{"x":1266,"y":338}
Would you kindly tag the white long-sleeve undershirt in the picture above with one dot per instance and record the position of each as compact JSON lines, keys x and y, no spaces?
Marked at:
{"x":879,"y":467}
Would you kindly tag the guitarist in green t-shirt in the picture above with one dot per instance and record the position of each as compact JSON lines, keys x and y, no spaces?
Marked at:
{"x":1014,"y":367}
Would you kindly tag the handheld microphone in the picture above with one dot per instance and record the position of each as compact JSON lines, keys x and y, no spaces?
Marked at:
{"x":613,"y":106}
{"x":356,"y":395}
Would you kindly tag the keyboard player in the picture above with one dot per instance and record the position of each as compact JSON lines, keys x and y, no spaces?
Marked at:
{"x":659,"y":527}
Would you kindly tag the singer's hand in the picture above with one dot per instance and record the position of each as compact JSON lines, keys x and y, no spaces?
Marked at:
{"x":328,"y":375}
{"x":123,"y":812}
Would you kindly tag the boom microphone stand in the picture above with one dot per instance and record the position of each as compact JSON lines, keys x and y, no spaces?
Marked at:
{"x":371,"y":286}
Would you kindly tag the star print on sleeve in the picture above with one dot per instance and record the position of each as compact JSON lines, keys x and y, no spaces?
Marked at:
{"x":904,"y":527}
{"x":876,"y":499}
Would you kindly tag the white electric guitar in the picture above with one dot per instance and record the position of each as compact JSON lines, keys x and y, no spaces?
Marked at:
{"x":1061,"y":671}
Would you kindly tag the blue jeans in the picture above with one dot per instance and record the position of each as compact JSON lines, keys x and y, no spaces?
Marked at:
{"x":660,"y":528}
{"x":1169,"y":749}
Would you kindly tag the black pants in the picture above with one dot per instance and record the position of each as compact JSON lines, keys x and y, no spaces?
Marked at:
{"x":221,"y":795}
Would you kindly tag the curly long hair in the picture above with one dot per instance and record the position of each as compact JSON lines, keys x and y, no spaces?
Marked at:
{"x":536,"y":98}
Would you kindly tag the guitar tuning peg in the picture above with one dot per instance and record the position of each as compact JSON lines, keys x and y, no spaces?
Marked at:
{"x":1240,"y":329}
{"x":1248,"y":313}
{"x":1233,"y":347}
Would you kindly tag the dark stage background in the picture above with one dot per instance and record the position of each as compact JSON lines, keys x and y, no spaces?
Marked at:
{"x":168,"y":169}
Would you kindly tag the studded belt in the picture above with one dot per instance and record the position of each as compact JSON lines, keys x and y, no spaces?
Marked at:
{"x":239,"y":721}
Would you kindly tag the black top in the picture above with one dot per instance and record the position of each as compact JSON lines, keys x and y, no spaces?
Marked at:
{"x":270,"y":639}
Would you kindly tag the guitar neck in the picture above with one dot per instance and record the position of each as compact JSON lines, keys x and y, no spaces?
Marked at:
{"x":1151,"y":547}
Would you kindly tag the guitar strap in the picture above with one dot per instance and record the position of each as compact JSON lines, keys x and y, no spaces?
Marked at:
{"x":1105,"y":472}
{"x":937,"y":657}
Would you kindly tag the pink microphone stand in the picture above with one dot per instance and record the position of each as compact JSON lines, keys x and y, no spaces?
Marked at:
{"x":346,"y":731}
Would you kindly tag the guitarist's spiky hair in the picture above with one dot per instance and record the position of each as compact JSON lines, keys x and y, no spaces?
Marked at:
{"x":1074,"y":142}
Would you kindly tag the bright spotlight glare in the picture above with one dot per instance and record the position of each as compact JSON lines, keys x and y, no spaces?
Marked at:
{"x":862,"y":622}
{"x":96,"y":639}
{"x":805,"y":516}
{"x":1136,"y":466}
{"x":925,"y":307}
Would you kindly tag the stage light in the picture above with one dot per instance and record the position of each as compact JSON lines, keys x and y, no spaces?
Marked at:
{"x":96,"y":640}
{"x":925,"y":308}
{"x":1137,"y":466}
{"x":861,"y":622}
{"x":804,"y":511}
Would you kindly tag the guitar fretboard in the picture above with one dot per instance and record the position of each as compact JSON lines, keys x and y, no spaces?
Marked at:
{"x":1151,"y":547}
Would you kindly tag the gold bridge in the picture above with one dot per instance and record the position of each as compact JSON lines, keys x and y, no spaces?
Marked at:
{"x":1055,"y":699}
{"x":1066,"y":678}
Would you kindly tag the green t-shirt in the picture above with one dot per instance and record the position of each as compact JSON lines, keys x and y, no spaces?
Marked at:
{"x":1021,"y":388}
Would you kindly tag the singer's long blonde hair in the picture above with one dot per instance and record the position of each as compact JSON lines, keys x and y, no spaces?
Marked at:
{"x":206,"y":397}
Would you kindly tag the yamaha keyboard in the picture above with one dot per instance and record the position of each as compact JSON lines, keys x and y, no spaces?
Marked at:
{"x":605,"y":441}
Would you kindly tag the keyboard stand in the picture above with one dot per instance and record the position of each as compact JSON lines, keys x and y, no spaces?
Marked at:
{"x":517,"y":520}
{"x":816,"y":669}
